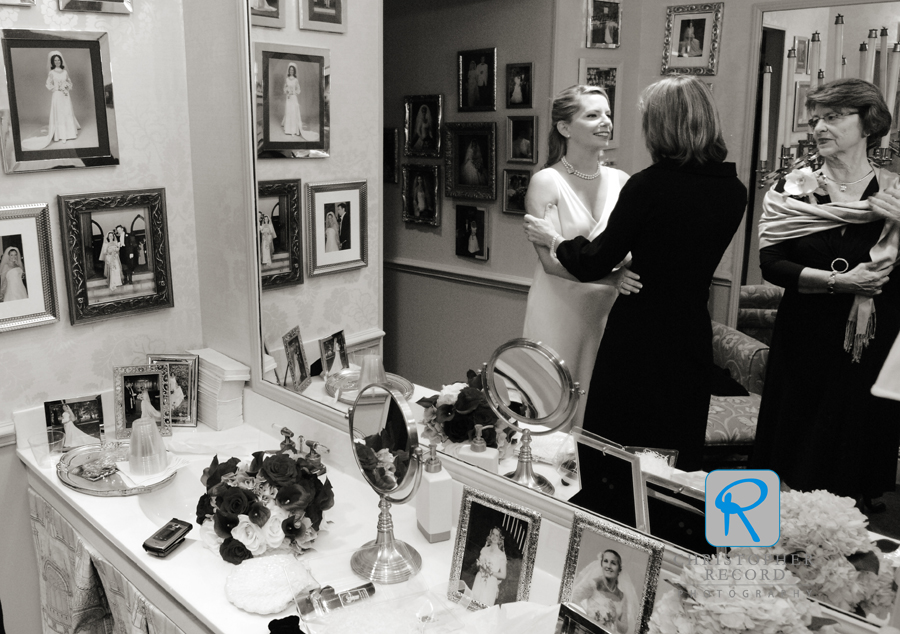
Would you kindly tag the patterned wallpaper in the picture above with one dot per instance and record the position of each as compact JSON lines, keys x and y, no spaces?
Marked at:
{"x":148,"y":67}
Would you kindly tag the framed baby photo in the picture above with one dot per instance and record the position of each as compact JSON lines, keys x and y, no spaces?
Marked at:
{"x":97,"y":6}
{"x":421,"y":194}
{"x":800,"y":115}
{"x":297,"y":377}
{"x":496,"y":542}
{"x":515,"y":186}
{"x":470,"y":160}
{"x":27,"y":286}
{"x":141,"y":391}
{"x":292,"y":114}
{"x":337,"y":220}
{"x":604,"y":21}
{"x":268,"y":13}
{"x":472,"y":232}
{"x":279,"y":226}
{"x":391,"y":155}
{"x":422,"y":127}
{"x":184,"y":378}
{"x":606,"y":76}
{"x":61,"y":110}
{"x":519,"y":83}
{"x":610,"y":574}
{"x":324,"y":15}
{"x":477,"y":83}
{"x":80,"y":418}
{"x":333,"y":353}
{"x":691,"y":43}
{"x":521,"y":139}
{"x":116,"y":253}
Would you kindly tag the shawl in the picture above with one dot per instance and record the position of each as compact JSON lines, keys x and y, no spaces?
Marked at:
{"x":786,"y":217}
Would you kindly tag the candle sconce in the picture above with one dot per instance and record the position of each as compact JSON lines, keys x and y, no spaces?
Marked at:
{"x":787,"y":156}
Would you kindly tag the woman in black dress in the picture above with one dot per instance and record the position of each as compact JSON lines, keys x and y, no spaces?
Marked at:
{"x":650,"y":385}
{"x":819,"y":425}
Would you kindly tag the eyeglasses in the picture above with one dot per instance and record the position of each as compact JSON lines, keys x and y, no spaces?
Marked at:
{"x":830,"y":119}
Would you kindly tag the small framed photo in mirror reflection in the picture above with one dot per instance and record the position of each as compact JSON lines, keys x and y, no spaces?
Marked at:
{"x":472,"y":232}
{"x":298,"y":376}
{"x":279,"y":226}
{"x":323,"y":15}
{"x":421,"y":194}
{"x":268,"y":13}
{"x":337,"y":222}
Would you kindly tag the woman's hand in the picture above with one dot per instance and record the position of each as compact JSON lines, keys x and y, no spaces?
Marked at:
{"x":540,"y":230}
{"x":626,"y":281}
{"x":865,"y":279}
{"x":887,"y":203}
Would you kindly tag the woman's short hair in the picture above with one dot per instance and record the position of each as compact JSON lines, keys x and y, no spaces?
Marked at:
{"x":857,"y":94}
{"x":680,"y":121}
{"x":566,"y":105}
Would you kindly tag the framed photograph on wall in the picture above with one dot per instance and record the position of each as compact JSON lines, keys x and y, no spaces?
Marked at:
{"x":268,"y":13}
{"x":521,"y":139}
{"x":470,"y":160}
{"x":116,"y":253}
{"x":324,"y":15}
{"x":337,"y":221}
{"x":292,"y":114}
{"x":391,"y":155}
{"x":800,"y":116}
{"x":472,"y":232}
{"x":279,"y":225}
{"x":493,"y":559}
{"x":97,"y":6}
{"x":297,"y":376}
{"x":603,"y":561}
{"x":184,"y":377}
{"x":519,"y":85}
{"x":606,"y":76}
{"x":421,"y":194}
{"x":27,"y":287}
{"x":604,"y":21}
{"x":422,"y":128}
{"x":141,"y":391}
{"x":801,"y":45}
{"x":515,"y":186}
{"x":477,"y":71}
{"x":61,"y":110}
{"x":80,"y":418}
{"x":692,"y":38}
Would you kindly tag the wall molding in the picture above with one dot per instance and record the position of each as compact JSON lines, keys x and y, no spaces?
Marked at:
{"x":511,"y":283}
{"x":7,"y":433}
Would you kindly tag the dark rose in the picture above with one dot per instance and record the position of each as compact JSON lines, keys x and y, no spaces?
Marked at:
{"x":224,"y":524}
{"x":287,"y":625}
{"x":468,"y":399}
{"x":204,"y":508}
{"x":256,"y":463}
{"x":314,"y":514}
{"x":279,"y":469}
{"x":324,"y":495}
{"x":295,"y":496}
{"x":259,"y":514}
{"x":233,"y":551}
{"x":401,"y":464}
{"x":366,"y":456}
{"x":212,"y":475}
{"x":293,"y":527}
{"x":235,"y":501}
{"x":217,"y":490}
{"x":475,"y":380}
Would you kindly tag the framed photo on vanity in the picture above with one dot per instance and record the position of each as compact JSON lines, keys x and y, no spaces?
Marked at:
{"x":279,"y":225}
{"x":297,"y":377}
{"x":27,"y":286}
{"x":337,"y":220}
{"x":610,"y":574}
{"x":81,"y":132}
{"x":496,"y":541}
{"x":333,"y":353}
{"x":97,"y":6}
{"x":521,"y":139}
{"x":80,"y":418}
{"x":470,"y":160}
{"x":324,"y":15}
{"x":515,"y":186}
{"x":472,"y":232}
{"x":422,"y":194}
{"x":141,"y":391}
{"x":606,"y":76}
{"x":477,"y":84}
{"x":184,"y":377}
{"x":604,"y":23}
{"x":116,"y":253}
{"x":422,"y":127}
{"x":292,"y":114}
{"x":268,"y":13}
{"x":692,"y":39}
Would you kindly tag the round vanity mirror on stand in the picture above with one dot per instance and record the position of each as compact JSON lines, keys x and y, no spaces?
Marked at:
{"x":531,"y":390}
{"x":386,"y":446}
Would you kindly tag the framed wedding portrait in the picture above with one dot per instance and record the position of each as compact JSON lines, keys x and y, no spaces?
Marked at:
{"x":606,"y":76}
{"x":279,"y":227}
{"x":268,"y":13}
{"x":610,"y":574}
{"x":323,"y":15}
{"x":421,"y":194}
{"x":800,"y":116}
{"x":333,"y":353}
{"x":604,"y":21}
{"x":470,"y":160}
{"x":515,"y":186}
{"x":80,"y":418}
{"x":422,"y":127}
{"x":184,"y":377}
{"x":141,"y":391}
{"x":472,"y":233}
{"x":292,"y":113}
{"x":521,"y":139}
{"x":692,"y":39}
{"x":97,"y":6}
{"x":493,"y":559}
{"x":297,"y":377}
{"x":477,"y":81}
{"x":27,"y":286}
{"x":519,"y":83}
{"x":801,"y":46}
{"x":61,"y":112}
{"x":337,"y":222}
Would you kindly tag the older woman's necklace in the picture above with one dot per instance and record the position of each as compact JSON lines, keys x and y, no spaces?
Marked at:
{"x":574,"y":172}
{"x":843,"y":186}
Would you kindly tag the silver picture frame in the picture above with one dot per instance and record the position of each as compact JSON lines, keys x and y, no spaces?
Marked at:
{"x":97,"y":6}
{"x":297,"y":377}
{"x":128,"y":406}
{"x":426,"y":112}
{"x":470,"y":160}
{"x":186,"y":370}
{"x":692,"y":39}
{"x":421,"y":194}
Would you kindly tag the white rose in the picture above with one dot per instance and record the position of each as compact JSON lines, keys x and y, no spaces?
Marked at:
{"x":449,"y":394}
{"x":250,"y":535}
{"x":272,"y":532}
{"x":208,"y":536}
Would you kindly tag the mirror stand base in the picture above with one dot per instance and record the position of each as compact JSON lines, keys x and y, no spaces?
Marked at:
{"x":524,"y":473}
{"x":388,"y":562}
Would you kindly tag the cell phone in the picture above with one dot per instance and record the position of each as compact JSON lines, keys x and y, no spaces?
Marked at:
{"x":167,"y":538}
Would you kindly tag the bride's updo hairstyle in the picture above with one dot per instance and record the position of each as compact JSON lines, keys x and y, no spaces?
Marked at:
{"x":566,"y":105}
{"x":680,"y":121}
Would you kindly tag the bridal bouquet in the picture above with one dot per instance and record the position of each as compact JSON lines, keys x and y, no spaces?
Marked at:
{"x":271,"y":504}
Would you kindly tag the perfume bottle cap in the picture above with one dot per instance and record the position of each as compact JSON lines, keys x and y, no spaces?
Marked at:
{"x":432,"y":464}
{"x":478,"y":444}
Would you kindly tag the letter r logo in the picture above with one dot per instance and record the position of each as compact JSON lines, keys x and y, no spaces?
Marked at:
{"x":743,"y":507}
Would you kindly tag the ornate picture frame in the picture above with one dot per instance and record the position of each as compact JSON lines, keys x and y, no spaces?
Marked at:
{"x":470,"y":160}
{"x":346,"y":247}
{"x":482,"y":517}
{"x":605,"y":75}
{"x":284,"y":249}
{"x":515,"y":186}
{"x":268,"y":13}
{"x":521,"y":139}
{"x":477,"y":80}
{"x":93,"y":291}
{"x":97,"y":6}
{"x":27,"y":298}
{"x":133,"y":383}
{"x":520,"y":85}
{"x":391,"y":155}
{"x":297,"y":377}
{"x":184,"y":371}
{"x":692,"y":39}
{"x":421,"y":195}
{"x":323,"y":15}
{"x":473,"y":235}
{"x":595,"y":543}
{"x":424,"y":115}
{"x":604,"y":23}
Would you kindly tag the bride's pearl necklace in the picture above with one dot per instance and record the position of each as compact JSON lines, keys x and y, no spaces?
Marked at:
{"x":574,"y":172}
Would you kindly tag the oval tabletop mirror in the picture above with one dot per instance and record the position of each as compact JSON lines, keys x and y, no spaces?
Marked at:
{"x":386,"y":446}
{"x":531,"y":389}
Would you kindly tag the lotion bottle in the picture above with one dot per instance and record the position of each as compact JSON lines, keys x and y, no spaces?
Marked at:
{"x":434,"y":499}
{"x":479,"y":454}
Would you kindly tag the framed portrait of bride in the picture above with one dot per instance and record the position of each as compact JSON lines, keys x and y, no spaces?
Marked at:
{"x":141,"y":391}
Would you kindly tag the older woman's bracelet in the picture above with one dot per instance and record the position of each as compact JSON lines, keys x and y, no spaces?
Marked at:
{"x":831,"y":281}
{"x":838,"y":265}
{"x":556,"y":238}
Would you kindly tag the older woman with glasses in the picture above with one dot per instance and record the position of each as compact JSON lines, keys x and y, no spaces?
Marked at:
{"x":832,"y":250}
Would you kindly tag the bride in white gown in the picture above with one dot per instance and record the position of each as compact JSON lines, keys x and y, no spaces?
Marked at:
{"x":577,"y":195}
{"x":74,"y":436}
{"x":12,"y":285}
{"x":491,"y":564}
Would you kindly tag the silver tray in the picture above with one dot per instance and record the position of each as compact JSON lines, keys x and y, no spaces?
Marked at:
{"x":69,"y":470}
{"x":346,"y":381}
